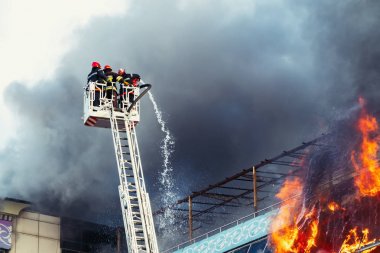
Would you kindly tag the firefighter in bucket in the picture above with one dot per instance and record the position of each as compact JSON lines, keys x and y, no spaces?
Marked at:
{"x":111,"y":91}
{"x":126,"y":82}
{"x":96,"y":75}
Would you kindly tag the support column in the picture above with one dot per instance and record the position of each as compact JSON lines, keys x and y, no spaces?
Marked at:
{"x":118,"y":238}
{"x":254,"y":188}
{"x":190,"y":218}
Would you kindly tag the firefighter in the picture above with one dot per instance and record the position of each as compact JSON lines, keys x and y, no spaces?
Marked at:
{"x":111,"y":91}
{"x":96,"y":75}
{"x":124,"y":79}
{"x":127,"y":81}
{"x":135,"y":79}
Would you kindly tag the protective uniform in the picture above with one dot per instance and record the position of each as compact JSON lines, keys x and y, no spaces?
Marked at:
{"x":111,"y":91}
{"x":125,"y":80}
{"x":96,"y":75}
{"x":135,"y":79}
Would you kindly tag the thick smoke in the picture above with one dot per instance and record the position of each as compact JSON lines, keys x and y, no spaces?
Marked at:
{"x":56,"y":162}
{"x":236,"y":85}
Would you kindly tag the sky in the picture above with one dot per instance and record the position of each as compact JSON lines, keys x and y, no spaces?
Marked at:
{"x":237,"y":81}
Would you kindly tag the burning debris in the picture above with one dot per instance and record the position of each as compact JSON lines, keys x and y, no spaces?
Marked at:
{"x":333,"y":205}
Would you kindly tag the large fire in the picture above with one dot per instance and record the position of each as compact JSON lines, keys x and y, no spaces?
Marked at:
{"x":334,"y":218}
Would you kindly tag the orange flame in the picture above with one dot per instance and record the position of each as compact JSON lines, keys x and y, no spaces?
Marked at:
{"x":285,"y":232}
{"x":333,"y":207}
{"x":296,"y":229}
{"x":353,"y":242}
{"x":366,"y":162}
{"x":314,"y":232}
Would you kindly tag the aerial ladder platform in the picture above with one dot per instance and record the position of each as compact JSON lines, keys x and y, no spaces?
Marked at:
{"x":122,"y":117}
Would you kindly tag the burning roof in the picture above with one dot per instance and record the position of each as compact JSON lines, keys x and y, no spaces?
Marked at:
{"x":333,"y":206}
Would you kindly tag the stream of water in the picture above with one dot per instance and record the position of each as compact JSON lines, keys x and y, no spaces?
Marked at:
{"x":168,"y":190}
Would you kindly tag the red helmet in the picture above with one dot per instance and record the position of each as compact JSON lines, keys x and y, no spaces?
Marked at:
{"x":107,"y":67}
{"x":95,"y":64}
{"x":121,"y":72}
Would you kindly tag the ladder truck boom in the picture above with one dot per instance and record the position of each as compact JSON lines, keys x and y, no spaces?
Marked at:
{"x":134,"y":198}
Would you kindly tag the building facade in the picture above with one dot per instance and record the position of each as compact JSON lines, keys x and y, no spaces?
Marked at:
{"x":25,"y":231}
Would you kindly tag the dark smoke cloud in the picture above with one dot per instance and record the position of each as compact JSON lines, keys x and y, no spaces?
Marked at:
{"x":346,"y":43}
{"x":56,"y":162}
{"x":235,"y":85}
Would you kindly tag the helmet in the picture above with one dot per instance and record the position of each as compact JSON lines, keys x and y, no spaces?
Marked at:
{"x":121,"y":72}
{"x":95,"y":64}
{"x":107,"y":67}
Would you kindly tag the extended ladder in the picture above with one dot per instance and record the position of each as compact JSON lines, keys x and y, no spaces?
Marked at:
{"x":134,"y":199}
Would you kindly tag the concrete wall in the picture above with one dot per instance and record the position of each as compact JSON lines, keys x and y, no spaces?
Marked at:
{"x":35,"y":233}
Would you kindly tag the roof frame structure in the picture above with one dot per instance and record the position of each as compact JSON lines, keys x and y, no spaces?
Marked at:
{"x":248,"y":187}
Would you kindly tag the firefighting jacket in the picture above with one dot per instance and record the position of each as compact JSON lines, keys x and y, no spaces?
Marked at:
{"x":111,"y":79}
{"x":128,"y":80}
{"x":96,"y":75}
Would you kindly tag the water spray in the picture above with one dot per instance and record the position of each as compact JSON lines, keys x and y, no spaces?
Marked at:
{"x":167,"y":186}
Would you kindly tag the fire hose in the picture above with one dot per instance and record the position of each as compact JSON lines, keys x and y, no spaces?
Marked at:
{"x":144,"y":85}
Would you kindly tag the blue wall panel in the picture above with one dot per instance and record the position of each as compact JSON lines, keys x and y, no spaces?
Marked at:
{"x":234,"y":237}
